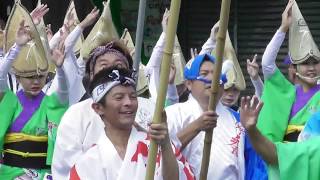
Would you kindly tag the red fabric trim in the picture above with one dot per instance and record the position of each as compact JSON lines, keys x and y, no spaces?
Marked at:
{"x":74,"y":174}
{"x":142,"y":149}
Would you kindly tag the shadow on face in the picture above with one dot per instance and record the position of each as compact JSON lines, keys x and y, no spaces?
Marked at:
{"x":230,"y":96}
{"x":118,"y":108}
{"x":32,"y":85}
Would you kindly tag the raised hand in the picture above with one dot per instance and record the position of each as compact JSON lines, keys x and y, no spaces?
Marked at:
{"x":287,"y":16}
{"x":253,"y":68}
{"x":214,"y":31}
{"x":23,"y":35}
{"x":70,"y":20}
{"x":49,"y":32}
{"x":165,"y":19}
{"x":64,"y":32}
{"x":193,"y":52}
{"x":58,"y":55}
{"x":38,"y":13}
{"x":90,"y":18}
{"x":207,"y":120}
{"x":249,"y":112}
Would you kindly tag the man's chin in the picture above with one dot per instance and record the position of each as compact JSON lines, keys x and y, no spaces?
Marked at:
{"x":229,"y":104}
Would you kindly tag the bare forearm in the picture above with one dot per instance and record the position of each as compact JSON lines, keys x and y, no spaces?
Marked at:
{"x":187,"y":134}
{"x":263,"y":146}
{"x":170,"y":169}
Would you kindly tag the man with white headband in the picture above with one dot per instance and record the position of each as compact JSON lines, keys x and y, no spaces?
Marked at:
{"x":288,"y":108}
{"x":80,"y":126}
{"x":188,"y":121}
{"x":100,"y":91}
{"x":121,"y":150}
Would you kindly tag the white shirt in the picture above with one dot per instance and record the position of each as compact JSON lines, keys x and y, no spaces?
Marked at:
{"x":102,"y":161}
{"x":227,"y":150}
{"x":80,"y":128}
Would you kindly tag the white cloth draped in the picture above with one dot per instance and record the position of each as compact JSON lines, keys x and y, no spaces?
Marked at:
{"x":102,"y":161}
{"x":80,"y":128}
{"x":227,"y":150}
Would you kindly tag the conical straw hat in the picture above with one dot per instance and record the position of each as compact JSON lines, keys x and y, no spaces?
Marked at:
{"x":32,"y":58}
{"x":103,"y":31}
{"x":1,"y":39}
{"x":179,"y":62}
{"x":301,"y":43}
{"x":41,"y":27}
{"x":71,"y":10}
{"x":234,"y":75}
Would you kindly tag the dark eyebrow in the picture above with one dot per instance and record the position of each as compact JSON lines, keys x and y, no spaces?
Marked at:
{"x":204,"y":70}
{"x":117,"y":93}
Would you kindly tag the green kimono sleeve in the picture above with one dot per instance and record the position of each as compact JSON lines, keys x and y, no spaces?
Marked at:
{"x":10,"y":109}
{"x":278,"y":96}
{"x":55,"y":111}
{"x":298,"y":161}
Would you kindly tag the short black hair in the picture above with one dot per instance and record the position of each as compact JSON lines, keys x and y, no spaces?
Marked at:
{"x":118,"y":45}
{"x":103,"y":77}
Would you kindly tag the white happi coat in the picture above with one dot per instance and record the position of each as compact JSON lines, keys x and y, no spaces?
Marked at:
{"x":227,"y":150}
{"x":103,"y":162}
{"x":79,"y":129}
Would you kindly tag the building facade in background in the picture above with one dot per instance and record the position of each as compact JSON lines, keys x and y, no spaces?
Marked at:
{"x":251,"y":26}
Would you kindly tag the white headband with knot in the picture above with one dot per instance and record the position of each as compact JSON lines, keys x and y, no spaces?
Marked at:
{"x":102,"y":89}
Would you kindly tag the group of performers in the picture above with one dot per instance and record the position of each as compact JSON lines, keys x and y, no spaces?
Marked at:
{"x":71,"y":107}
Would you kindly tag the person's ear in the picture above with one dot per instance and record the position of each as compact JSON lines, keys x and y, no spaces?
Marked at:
{"x":98,"y":108}
{"x":188,"y":84}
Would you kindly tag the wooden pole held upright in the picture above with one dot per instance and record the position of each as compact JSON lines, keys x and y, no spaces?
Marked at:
{"x":164,"y":76}
{"x":221,"y":37}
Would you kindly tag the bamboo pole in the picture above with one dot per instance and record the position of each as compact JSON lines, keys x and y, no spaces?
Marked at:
{"x":221,"y":37}
{"x":164,"y":76}
{"x":139,"y":38}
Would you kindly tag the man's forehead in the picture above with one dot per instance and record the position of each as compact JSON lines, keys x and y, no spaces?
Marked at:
{"x":108,"y":57}
{"x":111,"y":58}
{"x":207,"y":66}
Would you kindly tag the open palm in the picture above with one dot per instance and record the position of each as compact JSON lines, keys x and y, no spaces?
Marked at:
{"x":23,"y":35}
{"x":249,"y":111}
{"x":38,"y":13}
{"x":58,"y":55}
{"x":253,"y":68}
